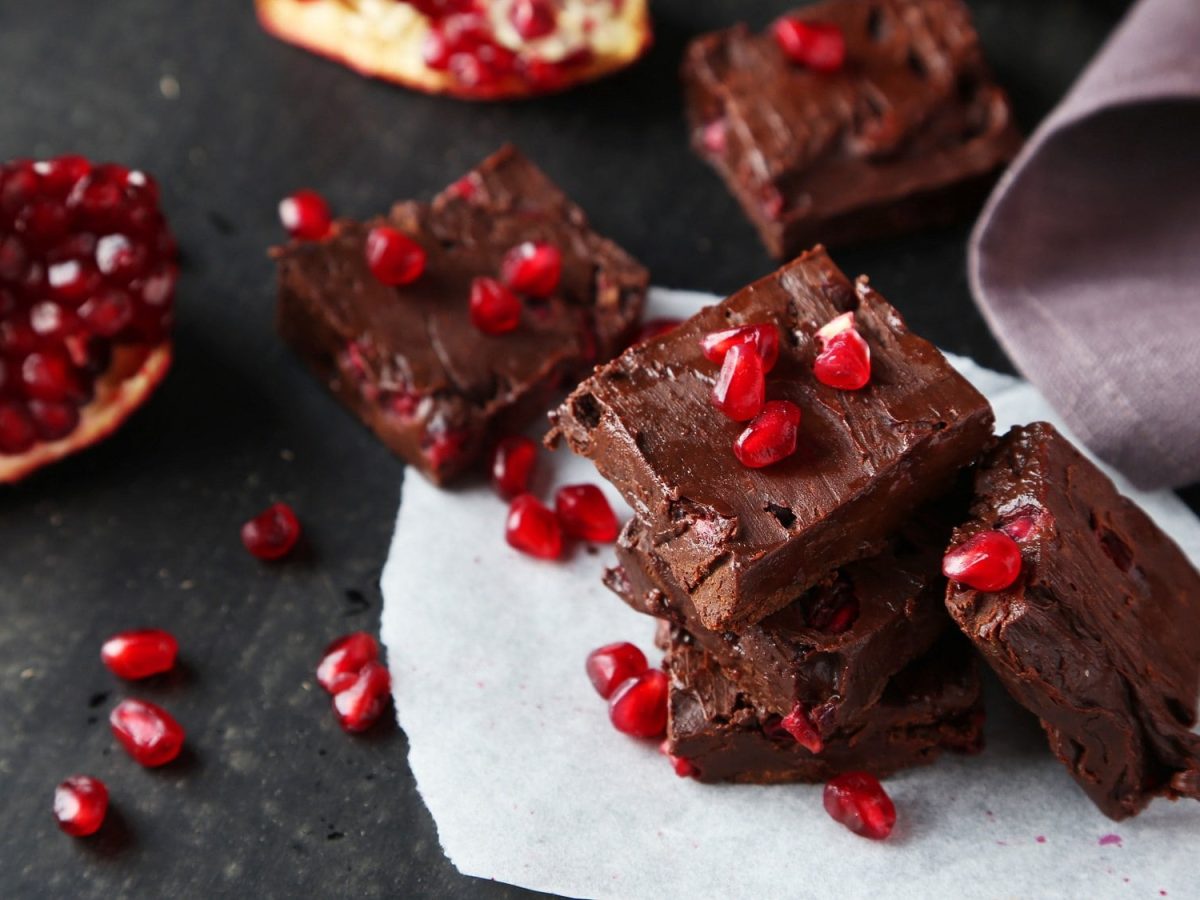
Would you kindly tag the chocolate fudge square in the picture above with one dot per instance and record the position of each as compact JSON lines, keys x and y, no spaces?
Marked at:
{"x":409,"y":362}
{"x":833,"y":650}
{"x":911,"y":132}
{"x":933,"y":705}
{"x":1100,"y":634}
{"x":745,"y":542}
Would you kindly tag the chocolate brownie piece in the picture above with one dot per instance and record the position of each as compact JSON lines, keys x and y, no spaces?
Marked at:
{"x":744,"y":542}
{"x":833,"y":650}
{"x":1100,"y":634}
{"x":409,"y":362}
{"x":931,"y":706}
{"x":911,"y":131}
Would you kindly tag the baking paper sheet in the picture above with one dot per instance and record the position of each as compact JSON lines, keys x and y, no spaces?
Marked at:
{"x":529,"y":784}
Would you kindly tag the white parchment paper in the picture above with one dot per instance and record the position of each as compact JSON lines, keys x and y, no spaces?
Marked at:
{"x":529,"y":784}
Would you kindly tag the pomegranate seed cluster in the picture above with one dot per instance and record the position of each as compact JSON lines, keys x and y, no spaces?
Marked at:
{"x":87,"y":264}
{"x":636,"y":694}
{"x":361,"y":685}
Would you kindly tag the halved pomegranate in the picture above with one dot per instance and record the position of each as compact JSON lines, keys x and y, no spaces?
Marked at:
{"x":87,"y":284}
{"x":475,"y":49}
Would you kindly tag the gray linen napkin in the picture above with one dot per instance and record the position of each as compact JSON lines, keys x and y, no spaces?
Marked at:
{"x":1086,"y":259}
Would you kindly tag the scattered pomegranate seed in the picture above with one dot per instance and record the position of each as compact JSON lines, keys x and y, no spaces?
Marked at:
{"x":532,"y":528}
{"x":613,"y":664}
{"x":771,"y":435}
{"x":513,"y":462}
{"x":639,"y":705}
{"x":815,"y":45}
{"x":393,"y":257}
{"x":533,"y":268}
{"x":140,"y":653}
{"x":359,"y":705}
{"x":148,"y":732}
{"x":858,"y":801}
{"x":989,"y":561}
{"x":741,"y":387}
{"x":799,"y":726}
{"x":344,"y":659}
{"x":80,"y":803}
{"x":305,"y":215}
{"x":533,"y":18}
{"x":845,"y":358}
{"x":654,"y":328}
{"x":764,"y":338}
{"x":272,"y":533}
{"x":494,"y":308}
{"x":584,"y":513}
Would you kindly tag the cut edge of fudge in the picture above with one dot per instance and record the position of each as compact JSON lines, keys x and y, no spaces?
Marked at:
{"x":742,"y":542}
{"x":408,"y":362}
{"x":1100,"y":635}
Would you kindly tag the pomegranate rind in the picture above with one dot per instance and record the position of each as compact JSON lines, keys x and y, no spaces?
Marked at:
{"x":134,"y":374}
{"x":391,"y":47}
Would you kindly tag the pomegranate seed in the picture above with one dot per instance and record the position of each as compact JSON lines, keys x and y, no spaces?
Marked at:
{"x":148,"y":732}
{"x":654,"y":328}
{"x":494,"y":308}
{"x":584,"y":513}
{"x":834,"y":617}
{"x":714,"y":137}
{"x":107,"y":313}
{"x":741,"y":388}
{"x":17,"y":431}
{"x":764,"y":338}
{"x":139,"y":653}
{"x":989,"y":561}
{"x":60,"y":175}
{"x":513,"y":462}
{"x":344,"y":659}
{"x":393,"y":257}
{"x":533,"y":18}
{"x":53,"y":420}
{"x":272,"y":533}
{"x":815,"y":45}
{"x":533,"y":529}
{"x":684,"y":768}
{"x":305,"y":215}
{"x":533,"y":268}
{"x":858,"y":801}
{"x":436,"y":9}
{"x":50,"y":376}
{"x":845,"y":358}
{"x":613,"y":664}
{"x":80,"y":803}
{"x":798,"y":725}
{"x":359,"y":705}
{"x":770,"y":437}
{"x":639,"y":705}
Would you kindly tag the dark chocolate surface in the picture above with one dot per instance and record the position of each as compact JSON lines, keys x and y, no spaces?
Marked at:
{"x":408,"y":360}
{"x":892,"y":602}
{"x":1100,"y":635}
{"x":744,"y":541}
{"x":909,"y":132}
{"x":931,"y":706}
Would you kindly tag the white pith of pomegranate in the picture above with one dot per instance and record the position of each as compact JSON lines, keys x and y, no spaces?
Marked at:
{"x":87,"y":283}
{"x":475,"y":49}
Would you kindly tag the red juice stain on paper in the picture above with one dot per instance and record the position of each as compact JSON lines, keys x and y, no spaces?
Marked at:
{"x":1107,"y":840}
{"x":1041,"y":839}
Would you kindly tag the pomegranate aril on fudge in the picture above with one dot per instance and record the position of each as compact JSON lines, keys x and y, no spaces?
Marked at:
{"x":305,"y":215}
{"x":87,"y":274}
{"x":494,"y":308}
{"x":140,"y":653}
{"x":845,"y":358}
{"x":764,"y":338}
{"x":815,"y":45}
{"x":799,"y":725}
{"x":359,"y":704}
{"x":613,"y":664}
{"x":344,"y":659}
{"x":80,"y":804}
{"x":638,"y":706}
{"x":533,"y":528}
{"x":585,"y":513}
{"x":512,"y":465}
{"x":741,"y":387}
{"x":393,"y":257}
{"x":770,"y":437}
{"x":533,"y":268}
{"x":858,"y":801}
{"x":988,"y":561}
{"x":148,"y":732}
{"x":272,"y":533}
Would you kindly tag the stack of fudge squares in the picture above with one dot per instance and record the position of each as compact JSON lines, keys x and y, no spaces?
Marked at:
{"x":808,"y":627}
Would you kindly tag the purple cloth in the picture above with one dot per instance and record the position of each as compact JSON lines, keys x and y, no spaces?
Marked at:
{"x":1086,"y":260}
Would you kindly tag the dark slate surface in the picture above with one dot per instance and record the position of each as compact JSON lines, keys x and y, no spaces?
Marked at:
{"x":271,"y":798}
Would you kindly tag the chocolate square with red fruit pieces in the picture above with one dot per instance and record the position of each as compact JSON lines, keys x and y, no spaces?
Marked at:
{"x":715,"y":733}
{"x":515,"y":300}
{"x":850,"y":119}
{"x":744,"y":541}
{"x":1098,"y":633}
